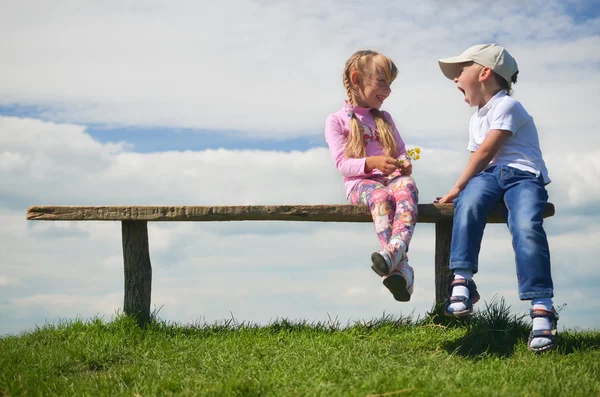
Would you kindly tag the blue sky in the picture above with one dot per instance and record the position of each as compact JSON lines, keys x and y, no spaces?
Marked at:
{"x":185,"y":104}
{"x":166,"y":138}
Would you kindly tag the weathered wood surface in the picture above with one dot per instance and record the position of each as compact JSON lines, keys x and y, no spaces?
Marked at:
{"x":136,"y":255}
{"x":443,"y":274}
{"x":138,"y":270}
{"x":428,"y":213}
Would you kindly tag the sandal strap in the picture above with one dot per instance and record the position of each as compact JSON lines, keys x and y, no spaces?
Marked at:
{"x":460,"y":281}
{"x":546,"y":333}
{"x":551,"y":314}
{"x":543,"y":333}
{"x":471,"y":286}
{"x":459,"y":298}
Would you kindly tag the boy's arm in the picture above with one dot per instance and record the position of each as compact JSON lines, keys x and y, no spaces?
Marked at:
{"x":478,"y":161}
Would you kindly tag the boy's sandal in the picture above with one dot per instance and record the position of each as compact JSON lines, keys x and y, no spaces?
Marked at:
{"x":468,"y":302}
{"x":550,"y":334}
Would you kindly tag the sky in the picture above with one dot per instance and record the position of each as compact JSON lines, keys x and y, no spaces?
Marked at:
{"x":224,"y":103}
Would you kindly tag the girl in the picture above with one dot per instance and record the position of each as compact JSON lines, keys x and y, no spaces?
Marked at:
{"x":368,"y":151}
{"x":506,"y":164}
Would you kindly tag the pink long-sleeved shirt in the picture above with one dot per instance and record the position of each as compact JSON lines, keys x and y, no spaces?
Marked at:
{"x":337,"y":129}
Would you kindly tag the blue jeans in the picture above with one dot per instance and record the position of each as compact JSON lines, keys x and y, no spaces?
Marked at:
{"x":525,"y":198}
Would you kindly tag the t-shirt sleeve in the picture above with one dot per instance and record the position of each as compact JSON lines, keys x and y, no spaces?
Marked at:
{"x":508,"y":115}
{"x":472,"y":145}
{"x":400,"y":146}
{"x":336,"y":140}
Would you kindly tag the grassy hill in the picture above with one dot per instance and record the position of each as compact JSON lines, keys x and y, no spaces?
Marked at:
{"x":485,"y":355}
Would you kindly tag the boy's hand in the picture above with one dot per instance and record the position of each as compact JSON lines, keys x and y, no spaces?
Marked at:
{"x":385,"y":164}
{"x":405,"y":167}
{"x":448,"y":197}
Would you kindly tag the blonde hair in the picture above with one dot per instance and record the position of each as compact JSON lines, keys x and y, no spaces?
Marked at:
{"x":365,"y":63}
{"x":506,"y":85}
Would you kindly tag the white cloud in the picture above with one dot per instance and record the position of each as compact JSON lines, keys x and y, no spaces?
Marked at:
{"x":267,"y":69}
{"x":5,"y":280}
{"x":273,"y":68}
{"x":257,"y":271}
{"x":57,"y":305}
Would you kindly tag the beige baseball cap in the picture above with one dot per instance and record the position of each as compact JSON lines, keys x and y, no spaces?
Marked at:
{"x":490,"y":55}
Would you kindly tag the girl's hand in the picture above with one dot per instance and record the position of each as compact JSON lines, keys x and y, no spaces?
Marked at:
{"x":449,"y":197}
{"x":405,"y":167}
{"x":385,"y":164}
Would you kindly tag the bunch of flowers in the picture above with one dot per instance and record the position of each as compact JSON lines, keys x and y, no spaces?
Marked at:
{"x":411,"y":154}
{"x":414,"y":154}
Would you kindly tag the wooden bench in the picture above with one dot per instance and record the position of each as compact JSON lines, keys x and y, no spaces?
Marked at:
{"x":136,"y":255}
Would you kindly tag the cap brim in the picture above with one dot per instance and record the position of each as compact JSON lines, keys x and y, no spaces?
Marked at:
{"x":451,"y":66}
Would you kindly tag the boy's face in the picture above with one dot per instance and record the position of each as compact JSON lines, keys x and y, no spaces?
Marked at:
{"x":469,"y":83}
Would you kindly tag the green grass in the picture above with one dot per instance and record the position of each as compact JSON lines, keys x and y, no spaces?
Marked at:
{"x":484,"y":355}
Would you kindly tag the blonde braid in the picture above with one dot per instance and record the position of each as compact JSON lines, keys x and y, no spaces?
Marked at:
{"x":355,"y":146}
{"x":386,"y":133}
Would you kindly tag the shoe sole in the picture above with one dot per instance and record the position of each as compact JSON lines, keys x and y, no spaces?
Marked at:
{"x":548,"y":347}
{"x":543,"y":349}
{"x":379,"y":266}
{"x":397,"y":286}
{"x":464,"y":313}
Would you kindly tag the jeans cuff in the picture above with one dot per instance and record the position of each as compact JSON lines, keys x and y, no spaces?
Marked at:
{"x":527,"y":296}
{"x":464,"y":265}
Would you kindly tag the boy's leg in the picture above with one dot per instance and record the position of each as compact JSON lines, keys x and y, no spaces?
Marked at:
{"x":525,"y":199}
{"x":470,"y":217}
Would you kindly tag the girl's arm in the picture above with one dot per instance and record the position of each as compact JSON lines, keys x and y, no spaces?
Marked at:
{"x":478,"y":161}
{"x":334,"y":135}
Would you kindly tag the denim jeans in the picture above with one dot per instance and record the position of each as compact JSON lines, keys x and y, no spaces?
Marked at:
{"x":525,"y":198}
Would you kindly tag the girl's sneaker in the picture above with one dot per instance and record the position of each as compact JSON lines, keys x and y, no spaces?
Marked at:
{"x":400,"y":281}
{"x":384,"y":261}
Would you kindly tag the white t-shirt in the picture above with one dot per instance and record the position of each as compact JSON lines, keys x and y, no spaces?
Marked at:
{"x":522,"y":149}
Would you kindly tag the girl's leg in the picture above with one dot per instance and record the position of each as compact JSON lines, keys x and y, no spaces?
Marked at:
{"x":406,"y":197}
{"x":374,"y":194}
{"x":400,"y":279}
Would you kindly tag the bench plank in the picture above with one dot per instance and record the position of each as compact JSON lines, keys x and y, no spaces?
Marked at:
{"x":428,"y":213}
{"x":136,"y":255}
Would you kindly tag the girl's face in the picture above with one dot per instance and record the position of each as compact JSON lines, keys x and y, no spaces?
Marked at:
{"x":469,"y":83}
{"x":373,"y":89}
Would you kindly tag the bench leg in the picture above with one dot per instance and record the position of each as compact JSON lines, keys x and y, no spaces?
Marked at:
{"x":138,"y":271}
{"x":443,"y":275}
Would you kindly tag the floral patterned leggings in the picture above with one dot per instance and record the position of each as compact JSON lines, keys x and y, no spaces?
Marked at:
{"x":394,"y":207}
